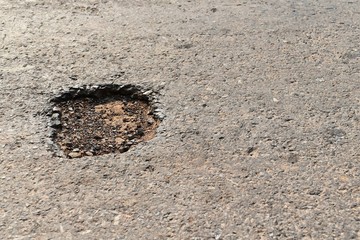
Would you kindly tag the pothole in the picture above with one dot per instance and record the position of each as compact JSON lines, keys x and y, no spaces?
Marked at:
{"x":94,"y":120}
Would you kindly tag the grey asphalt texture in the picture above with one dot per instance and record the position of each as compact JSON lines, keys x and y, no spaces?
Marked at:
{"x":260,"y":138}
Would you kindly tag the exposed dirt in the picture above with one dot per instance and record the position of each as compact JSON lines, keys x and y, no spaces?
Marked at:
{"x":94,"y":127}
{"x":260,"y":138}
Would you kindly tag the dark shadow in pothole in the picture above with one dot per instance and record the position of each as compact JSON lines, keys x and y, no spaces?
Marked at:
{"x":99,"y":119}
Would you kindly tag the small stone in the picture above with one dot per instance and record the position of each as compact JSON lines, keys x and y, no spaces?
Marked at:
{"x":88,"y":153}
{"x":315,"y":191}
{"x":74,"y":154}
{"x":76,"y":150}
{"x":97,"y":137}
{"x":148,"y":92}
{"x":55,"y":123}
{"x":124,"y":149}
{"x":73,"y":77}
{"x":140,"y":132}
{"x":275,"y":100}
{"x":288,"y":119}
{"x":160,"y":115}
{"x":250,"y":149}
{"x":52,"y":132}
{"x":56,"y":109}
{"x":55,"y":116}
{"x":131,"y":136}
{"x":119,"y":140}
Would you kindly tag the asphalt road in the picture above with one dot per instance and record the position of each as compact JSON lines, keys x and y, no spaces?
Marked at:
{"x":260,"y":138}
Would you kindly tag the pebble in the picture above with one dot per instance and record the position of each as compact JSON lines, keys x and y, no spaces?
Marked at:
{"x":52,"y":132}
{"x":119,"y":140}
{"x":56,"y":109}
{"x":160,"y":115}
{"x":96,"y":148}
{"x":55,"y":123}
{"x":55,"y":116}
{"x":89,"y":153}
{"x":148,"y":92}
{"x":74,"y":154}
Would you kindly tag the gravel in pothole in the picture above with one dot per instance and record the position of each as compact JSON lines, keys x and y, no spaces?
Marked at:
{"x":91,"y":126}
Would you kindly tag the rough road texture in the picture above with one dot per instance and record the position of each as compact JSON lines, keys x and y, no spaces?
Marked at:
{"x":261,"y":135}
